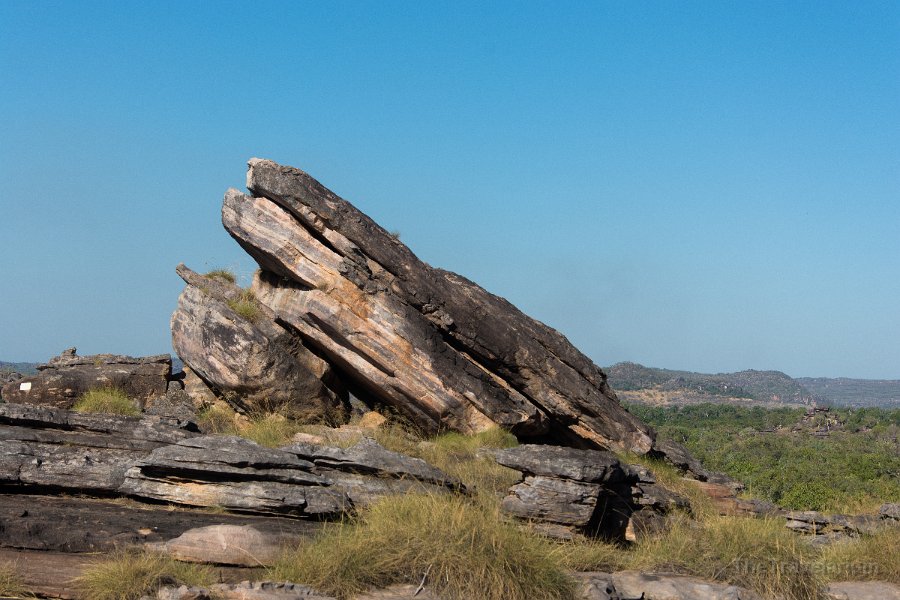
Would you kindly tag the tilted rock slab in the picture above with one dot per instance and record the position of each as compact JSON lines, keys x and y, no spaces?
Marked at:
{"x":64,"y":378}
{"x":254,"y":364}
{"x":163,"y":459}
{"x":439,"y":348}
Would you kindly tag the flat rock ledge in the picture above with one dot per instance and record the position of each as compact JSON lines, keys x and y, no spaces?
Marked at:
{"x":586,"y":492}
{"x":161,"y":459}
{"x":64,"y":378}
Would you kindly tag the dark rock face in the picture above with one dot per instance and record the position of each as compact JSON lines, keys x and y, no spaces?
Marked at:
{"x":164,"y":459}
{"x":253,"y":363}
{"x":437,"y":347}
{"x":589,"y":491}
{"x":64,"y":378}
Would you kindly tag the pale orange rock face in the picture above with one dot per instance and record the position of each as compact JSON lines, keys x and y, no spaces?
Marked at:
{"x":434,"y":345}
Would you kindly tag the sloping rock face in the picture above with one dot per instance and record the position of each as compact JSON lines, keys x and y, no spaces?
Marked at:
{"x":253,"y":363}
{"x":163,"y":459}
{"x":437,"y":347}
{"x":590,"y":491}
{"x":64,"y":378}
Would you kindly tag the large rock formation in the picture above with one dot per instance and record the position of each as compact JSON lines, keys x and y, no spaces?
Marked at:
{"x":245,"y":356}
{"x":437,"y":347}
{"x":64,"y":378}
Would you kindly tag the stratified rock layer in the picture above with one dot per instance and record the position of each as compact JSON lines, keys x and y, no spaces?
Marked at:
{"x":437,"y":347}
{"x":163,"y":459}
{"x":64,"y":378}
{"x":247,"y":358}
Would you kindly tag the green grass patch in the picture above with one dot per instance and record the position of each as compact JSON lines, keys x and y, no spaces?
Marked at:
{"x":223,"y":275}
{"x":463,"y":550}
{"x":853,"y":469}
{"x":107,"y":400}
{"x":130,"y":574}
{"x":246,"y":305}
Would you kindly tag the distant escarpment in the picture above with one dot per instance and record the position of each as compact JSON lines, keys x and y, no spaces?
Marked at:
{"x":648,"y":385}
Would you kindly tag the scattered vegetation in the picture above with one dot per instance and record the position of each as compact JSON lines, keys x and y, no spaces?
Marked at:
{"x":130,"y":574}
{"x":223,"y":275}
{"x":108,"y":400}
{"x":854,"y":468}
{"x":465,"y":547}
{"x":10,"y":582}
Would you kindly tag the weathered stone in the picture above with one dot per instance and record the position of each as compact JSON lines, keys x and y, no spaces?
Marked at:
{"x":64,"y":378}
{"x":555,"y":500}
{"x":588,"y":466}
{"x":163,"y":459}
{"x":890,"y":511}
{"x":631,"y":584}
{"x":862,"y":590}
{"x":440,"y":349}
{"x":588,"y":490}
{"x":98,"y":525}
{"x":246,"y":590}
{"x":252,"y":362}
{"x":200,"y":394}
{"x":241,"y":545}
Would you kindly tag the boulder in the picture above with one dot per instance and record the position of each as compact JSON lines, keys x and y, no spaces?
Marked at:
{"x":862,"y":590}
{"x":589,"y":491}
{"x":438,"y":348}
{"x":239,"y":545}
{"x":631,"y":585}
{"x":247,"y":358}
{"x":64,"y":378}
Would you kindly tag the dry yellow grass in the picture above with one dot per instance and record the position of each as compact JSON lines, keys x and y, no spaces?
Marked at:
{"x":107,"y":400}
{"x":130,"y":574}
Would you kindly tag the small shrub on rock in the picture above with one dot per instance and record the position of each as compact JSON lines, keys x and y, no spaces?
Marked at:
{"x":107,"y":400}
{"x":222,"y":275}
{"x":246,"y":305}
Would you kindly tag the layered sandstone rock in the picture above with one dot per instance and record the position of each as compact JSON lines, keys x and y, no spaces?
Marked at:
{"x":233,"y":344}
{"x":432,"y":344}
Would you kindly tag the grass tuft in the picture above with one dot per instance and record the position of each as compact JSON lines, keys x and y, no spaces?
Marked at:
{"x":756,"y":553}
{"x":222,"y":275}
{"x":10,"y":582}
{"x":867,"y":558}
{"x":246,"y":305}
{"x":130,"y":574}
{"x":467,"y":551}
{"x":107,"y":400}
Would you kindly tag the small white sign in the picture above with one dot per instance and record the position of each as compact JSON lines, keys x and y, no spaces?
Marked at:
{"x":25,"y":387}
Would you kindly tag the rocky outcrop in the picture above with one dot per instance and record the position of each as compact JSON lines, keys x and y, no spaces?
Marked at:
{"x":233,"y":344}
{"x":589,"y":491}
{"x":163,"y":459}
{"x":64,"y":378}
{"x":440,"y":349}
{"x":631,"y":585}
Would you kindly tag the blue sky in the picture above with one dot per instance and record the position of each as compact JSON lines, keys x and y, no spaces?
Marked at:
{"x":711,"y":186}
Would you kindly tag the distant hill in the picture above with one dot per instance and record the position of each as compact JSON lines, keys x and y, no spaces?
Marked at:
{"x":745,"y":386}
{"x":647,"y":385}
{"x":20,"y":367}
{"x":842,"y":391}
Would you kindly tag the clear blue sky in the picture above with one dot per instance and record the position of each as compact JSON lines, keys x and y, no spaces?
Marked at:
{"x":711,"y":186}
